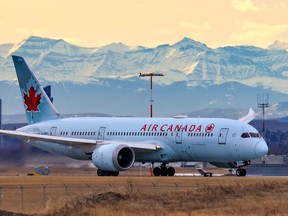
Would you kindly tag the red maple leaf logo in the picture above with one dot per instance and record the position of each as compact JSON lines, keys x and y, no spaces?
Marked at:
{"x":32,"y":100}
{"x":210,"y":128}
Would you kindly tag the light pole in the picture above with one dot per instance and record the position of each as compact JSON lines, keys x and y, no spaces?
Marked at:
{"x":151,"y":74}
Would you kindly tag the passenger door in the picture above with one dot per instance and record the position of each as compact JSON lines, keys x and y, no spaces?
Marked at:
{"x":101,"y":133}
{"x":223,"y":135}
{"x":53,"y":131}
{"x":178,"y":137}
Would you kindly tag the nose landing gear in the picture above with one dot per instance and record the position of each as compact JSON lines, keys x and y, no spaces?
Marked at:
{"x":241,"y":172}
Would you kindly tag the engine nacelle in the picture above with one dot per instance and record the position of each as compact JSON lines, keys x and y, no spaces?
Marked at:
{"x":235,"y":164}
{"x":113,"y":157}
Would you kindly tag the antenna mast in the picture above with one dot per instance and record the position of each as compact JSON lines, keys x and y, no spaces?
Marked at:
{"x":263,"y":103}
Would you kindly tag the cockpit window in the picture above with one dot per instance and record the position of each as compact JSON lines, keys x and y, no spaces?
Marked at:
{"x":255,"y":135}
{"x":250,"y":134}
{"x":245,"y":135}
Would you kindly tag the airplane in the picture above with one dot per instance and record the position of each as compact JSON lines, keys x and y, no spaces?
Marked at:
{"x":113,"y":144}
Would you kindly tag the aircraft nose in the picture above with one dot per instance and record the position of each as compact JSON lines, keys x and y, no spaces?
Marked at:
{"x":261,"y":148}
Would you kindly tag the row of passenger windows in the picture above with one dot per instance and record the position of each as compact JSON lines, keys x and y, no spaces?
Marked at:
{"x":62,"y":133}
{"x":137,"y":134}
{"x":200,"y":134}
{"x":156,"y":134}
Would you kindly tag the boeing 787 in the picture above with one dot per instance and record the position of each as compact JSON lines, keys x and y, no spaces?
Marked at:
{"x":113,"y":144}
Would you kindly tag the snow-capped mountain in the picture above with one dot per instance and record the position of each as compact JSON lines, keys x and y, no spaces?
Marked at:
{"x":279,"y":45}
{"x":195,"y":74}
{"x":187,"y":60}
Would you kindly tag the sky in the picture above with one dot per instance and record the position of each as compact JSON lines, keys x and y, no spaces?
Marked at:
{"x":94,"y":23}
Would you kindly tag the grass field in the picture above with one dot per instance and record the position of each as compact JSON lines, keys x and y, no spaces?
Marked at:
{"x":131,"y":195}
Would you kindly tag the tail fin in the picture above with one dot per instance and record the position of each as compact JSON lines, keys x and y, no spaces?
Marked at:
{"x":37,"y":104}
{"x":249,"y":117}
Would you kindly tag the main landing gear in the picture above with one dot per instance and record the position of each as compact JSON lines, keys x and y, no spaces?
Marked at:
{"x":107,"y":173}
{"x":241,"y":172}
{"x":163,"y":170}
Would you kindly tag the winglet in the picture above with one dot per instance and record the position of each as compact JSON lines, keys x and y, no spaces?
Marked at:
{"x":249,"y":117}
{"x":37,"y":104}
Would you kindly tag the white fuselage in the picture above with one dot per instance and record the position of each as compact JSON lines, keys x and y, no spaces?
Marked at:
{"x":180,"y":139}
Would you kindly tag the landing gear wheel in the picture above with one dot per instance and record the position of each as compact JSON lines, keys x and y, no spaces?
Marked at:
{"x":115,"y":173}
{"x":100,"y":172}
{"x":171,"y":171}
{"x":107,"y":173}
{"x":241,"y":172}
{"x":163,"y":170}
{"x":157,"y":171}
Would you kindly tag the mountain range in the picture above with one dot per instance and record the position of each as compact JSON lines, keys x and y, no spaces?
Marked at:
{"x":106,"y":79}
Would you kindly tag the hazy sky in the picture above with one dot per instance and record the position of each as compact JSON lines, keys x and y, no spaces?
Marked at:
{"x":149,"y":23}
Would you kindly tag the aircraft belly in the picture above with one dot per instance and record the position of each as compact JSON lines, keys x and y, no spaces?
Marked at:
{"x":165,"y":154}
{"x":75,"y":153}
{"x":207,"y":152}
{"x":147,"y":158}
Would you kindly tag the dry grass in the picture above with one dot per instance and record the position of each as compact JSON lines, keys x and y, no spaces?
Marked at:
{"x":230,"y":197}
{"x":126,"y":196}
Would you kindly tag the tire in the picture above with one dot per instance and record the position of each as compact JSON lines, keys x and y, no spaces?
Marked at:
{"x":238,"y":172}
{"x":106,"y":173}
{"x":164,"y":171}
{"x":241,"y":172}
{"x":244,"y":172}
{"x":115,"y":173}
{"x":100,"y":172}
{"x":156,"y":171}
{"x":171,"y":171}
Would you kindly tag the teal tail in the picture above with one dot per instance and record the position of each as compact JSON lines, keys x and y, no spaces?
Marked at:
{"x":37,"y":104}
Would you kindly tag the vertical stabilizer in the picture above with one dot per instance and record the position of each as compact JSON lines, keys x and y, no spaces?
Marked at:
{"x":37,"y":104}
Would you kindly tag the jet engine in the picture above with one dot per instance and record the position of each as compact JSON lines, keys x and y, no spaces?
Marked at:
{"x":113,"y":157}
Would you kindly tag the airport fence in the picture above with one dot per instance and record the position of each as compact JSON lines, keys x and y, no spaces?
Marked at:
{"x":41,"y":197}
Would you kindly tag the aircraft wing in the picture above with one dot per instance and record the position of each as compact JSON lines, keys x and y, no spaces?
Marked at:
{"x":88,"y":145}
{"x":249,"y":117}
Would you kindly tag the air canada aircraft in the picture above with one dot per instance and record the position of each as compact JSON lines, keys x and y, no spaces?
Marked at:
{"x":114,"y":144}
